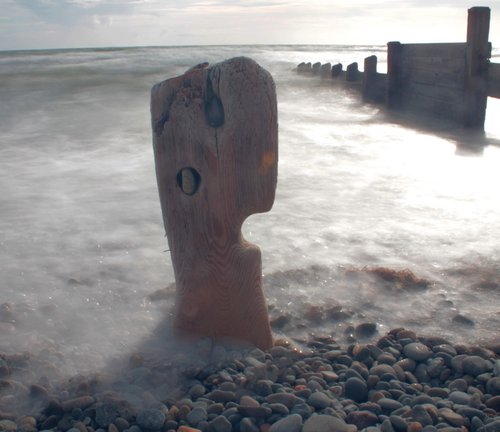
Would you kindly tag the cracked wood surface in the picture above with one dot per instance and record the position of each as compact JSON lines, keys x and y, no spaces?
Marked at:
{"x":215,"y":139}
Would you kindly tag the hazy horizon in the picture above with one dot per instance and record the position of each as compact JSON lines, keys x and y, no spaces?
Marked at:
{"x":70,"y":24}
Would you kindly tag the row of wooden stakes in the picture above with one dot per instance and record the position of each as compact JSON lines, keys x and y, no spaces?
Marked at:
{"x":371,"y":83}
{"x":352,"y":73}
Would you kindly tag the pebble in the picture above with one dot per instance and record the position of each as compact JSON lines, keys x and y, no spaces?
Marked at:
{"x":319,"y":400}
{"x":105,"y":414}
{"x":326,"y":423}
{"x":417,"y":351}
{"x":196,"y":415}
{"x":287,"y":399}
{"x":400,"y":383}
{"x":291,"y":423}
{"x":150,"y":419}
{"x":8,"y":426}
{"x":475,"y":365}
{"x":362,"y":419}
{"x":220,"y":424}
{"x":356,"y":389}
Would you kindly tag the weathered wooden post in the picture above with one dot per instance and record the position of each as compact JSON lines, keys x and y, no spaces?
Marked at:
{"x":215,"y":139}
{"x":394,"y":75}
{"x":352,"y":72}
{"x":336,"y":70}
{"x":326,"y":70}
{"x":477,"y":55}
{"x":369,"y":77}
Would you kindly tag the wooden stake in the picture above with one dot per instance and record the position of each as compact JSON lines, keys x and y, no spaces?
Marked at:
{"x":215,"y":139}
{"x":394,"y":75}
{"x":478,"y":53}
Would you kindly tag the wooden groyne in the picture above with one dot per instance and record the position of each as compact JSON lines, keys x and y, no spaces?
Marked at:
{"x":450,"y":81}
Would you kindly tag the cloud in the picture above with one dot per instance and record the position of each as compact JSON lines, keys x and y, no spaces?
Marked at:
{"x":69,"y":12}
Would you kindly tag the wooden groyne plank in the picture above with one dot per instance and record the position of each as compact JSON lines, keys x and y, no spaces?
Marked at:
{"x":494,"y":80}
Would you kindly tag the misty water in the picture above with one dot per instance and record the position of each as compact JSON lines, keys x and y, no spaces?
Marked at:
{"x":83,"y":257}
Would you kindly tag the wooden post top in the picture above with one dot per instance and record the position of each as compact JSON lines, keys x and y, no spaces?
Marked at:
{"x":215,"y":138}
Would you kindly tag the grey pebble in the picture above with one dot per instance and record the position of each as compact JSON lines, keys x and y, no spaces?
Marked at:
{"x":105,"y":414}
{"x":220,"y":424}
{"x":475,"y":365}
{"x":150,"y":419}
{"x":319,"y":400}
{"x":326,"y":423}
{"x":356,"y":389}
{"x":417,"y":351}
{"x":460,"y":397}
{"x":362,"y":419}
{"x":197,"y":415}
{"x":8,"y":426}
{"x":247,"y":425}
{"x":291,"y":423}
{"x":287,"y":399}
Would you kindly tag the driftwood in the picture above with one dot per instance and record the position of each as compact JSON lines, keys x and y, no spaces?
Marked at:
{"x":215,"y":139}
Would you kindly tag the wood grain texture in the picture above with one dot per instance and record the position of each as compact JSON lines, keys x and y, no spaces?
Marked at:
{"x":215,"y":132}
{"x":494,"y":80}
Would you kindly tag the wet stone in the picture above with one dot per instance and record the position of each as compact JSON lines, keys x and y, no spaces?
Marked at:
{"x":356,"y":389}
{"x":105,"y":414}
{"x":389,"y":405}
{"x":494,"y":403}
{"x":475,"y":365}
{"x":150,"y":419}
{"x":287,"y":399}
{"x":460,"y":398}
{"x":197,"y":415}
{"x":319,"y":400}
{"x":254,"y":411}
{"x":362,"y":419}
{"x":197,"y":390}
{"x":279,"y":408}
{"x":417,"y":351}
{"x":398,"y":423}
{"x":291,"y":423}
{"x":220,"y":424}
{"x":301,"y":409}
{"x":247,"y":425}
{"x":325,"y":423}
{"x":458,"y":385}
{"x":452,"y":417}
{"x":365,"y":330}
{"x":221,"y":396}
{"x":420,"y":414}
{"x":8,"y":426}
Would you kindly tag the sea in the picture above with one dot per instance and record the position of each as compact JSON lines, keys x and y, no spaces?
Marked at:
{"x":381,"y":219}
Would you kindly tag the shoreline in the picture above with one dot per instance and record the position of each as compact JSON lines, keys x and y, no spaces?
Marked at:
{"x":400,"y":382}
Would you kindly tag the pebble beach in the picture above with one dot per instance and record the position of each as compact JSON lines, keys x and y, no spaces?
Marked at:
{"x":399,"y":382}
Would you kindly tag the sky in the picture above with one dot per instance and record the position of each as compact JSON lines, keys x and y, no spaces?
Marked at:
{"x":42,"y":24}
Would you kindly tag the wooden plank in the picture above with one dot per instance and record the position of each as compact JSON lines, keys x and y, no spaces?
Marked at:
{"x":449,"y":79}
{"x":433,"y":93}
{"x":493,"y":80}
{"x":215,"y":140}
{"x":435,"y":63}
{"x":428,"y":105}
{"x":478,"y":52}
{"x":435,"y":50}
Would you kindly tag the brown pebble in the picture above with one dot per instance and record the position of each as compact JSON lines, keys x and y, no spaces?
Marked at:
{"x":414,"y":427}
{"x":494,"y":403}
{"x":112,"y":428}
{"x":39,"y":392}
{"x":81,"y":402}
{"x":188,"y":429}
{"x":80,"y":426}
{"x":50,"y":422}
